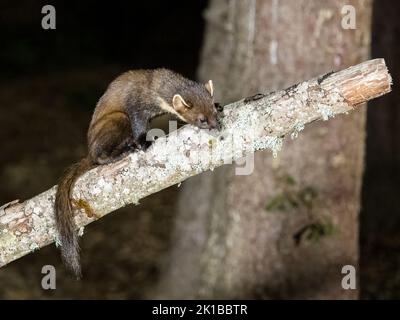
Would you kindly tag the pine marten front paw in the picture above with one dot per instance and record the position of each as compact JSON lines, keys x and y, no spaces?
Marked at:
{"x":143,"y":144}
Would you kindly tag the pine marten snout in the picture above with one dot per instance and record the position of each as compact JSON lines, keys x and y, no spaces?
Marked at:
{"x":119,"y":125}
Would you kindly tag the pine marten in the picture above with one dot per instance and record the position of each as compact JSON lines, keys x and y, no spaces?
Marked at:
{"x":119,"y":125}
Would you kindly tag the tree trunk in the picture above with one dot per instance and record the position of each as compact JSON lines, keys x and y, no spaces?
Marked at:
{"x":286,"y":230}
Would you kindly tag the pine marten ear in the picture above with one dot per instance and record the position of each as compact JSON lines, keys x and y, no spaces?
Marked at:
{"x":210,"y":88}
{"x":179,"y":104}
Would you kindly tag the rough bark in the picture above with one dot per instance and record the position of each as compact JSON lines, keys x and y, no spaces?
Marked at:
{"x":232,"y":242}
{"x":251,"y":124}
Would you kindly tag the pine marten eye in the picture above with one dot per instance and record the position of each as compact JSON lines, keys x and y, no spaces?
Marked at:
{"x":202,"y":119}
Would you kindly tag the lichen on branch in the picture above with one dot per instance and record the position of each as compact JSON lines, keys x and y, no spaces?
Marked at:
{"x":255,"y":123}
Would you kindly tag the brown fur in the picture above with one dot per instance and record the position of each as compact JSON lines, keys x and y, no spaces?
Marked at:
{"x":64,"y":216}
{"x":119,"y":125}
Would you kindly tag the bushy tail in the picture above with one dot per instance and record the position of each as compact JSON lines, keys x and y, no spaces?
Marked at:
{"x":65,"y":216}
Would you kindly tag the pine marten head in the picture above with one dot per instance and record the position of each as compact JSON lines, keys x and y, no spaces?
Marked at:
{"x":194,"y":104}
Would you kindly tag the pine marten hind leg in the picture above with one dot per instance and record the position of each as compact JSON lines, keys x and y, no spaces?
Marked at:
{"x":112,"y":141}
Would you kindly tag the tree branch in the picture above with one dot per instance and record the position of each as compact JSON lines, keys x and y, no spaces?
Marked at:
{"x":255,"y":123}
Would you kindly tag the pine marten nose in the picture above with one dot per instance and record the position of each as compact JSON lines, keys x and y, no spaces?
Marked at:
{"x":213,"y":124}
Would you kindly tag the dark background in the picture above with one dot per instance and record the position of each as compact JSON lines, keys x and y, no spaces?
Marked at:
{"x":50,"y":81}
{"x":380,"y":214}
